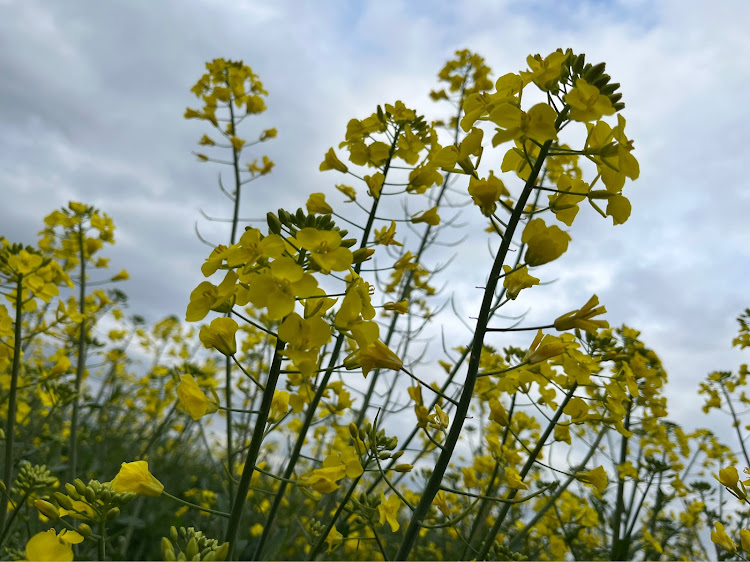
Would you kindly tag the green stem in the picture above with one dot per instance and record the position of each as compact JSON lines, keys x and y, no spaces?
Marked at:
{"x":13,"y":515}
{"x":101,"y":543}
{"x":10,"y":424}
{"x":435,"y":481}
{"x":81,"y":364}
{"x":254,"y":449}
{"x":195,"y":505}
{"x":617,"y":543}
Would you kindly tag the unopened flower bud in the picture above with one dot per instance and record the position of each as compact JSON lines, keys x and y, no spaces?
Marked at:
{"x":47,"y":509}
{"x":64,"y":501}
{"x":403,"y":467}
{"x":85,"y":530}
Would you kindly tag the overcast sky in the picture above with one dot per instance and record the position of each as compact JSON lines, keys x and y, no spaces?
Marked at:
{"x":92,"y":96}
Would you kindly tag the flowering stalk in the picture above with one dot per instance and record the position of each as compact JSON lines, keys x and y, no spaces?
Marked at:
{"x":81,"y":364}
{"x":435,"y":481}
{"x":10,"y":427}
{"x":334,"y":358}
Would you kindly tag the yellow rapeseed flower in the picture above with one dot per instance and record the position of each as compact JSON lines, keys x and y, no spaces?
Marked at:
{"x":134,"y":477}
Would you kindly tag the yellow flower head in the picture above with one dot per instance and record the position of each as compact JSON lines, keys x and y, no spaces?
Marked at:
{"x":429,"y":216}
{"x":317,"y":204}
{"x":517,"y":280}
{"x":596,"y":477}
{"x":388,"y":510}
{"x":720,"y":537}
{"x":134,"y":477}
{"x":220,"y":335}
{"x":193,"y":400}
{"x":48,"y":546}
{"x":332,"y":162}
{"x":582,"y":318}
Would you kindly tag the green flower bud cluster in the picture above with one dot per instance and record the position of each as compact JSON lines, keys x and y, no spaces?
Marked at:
{"x":104,"y":503}
{"x":502,"y":552}
{"x":577,"y":67}
{"x":316,"y":528}
{"x":33,"y":479}
{"x":365,"y":508}
{"x":300,"y":219}
{"x":189,"y":544}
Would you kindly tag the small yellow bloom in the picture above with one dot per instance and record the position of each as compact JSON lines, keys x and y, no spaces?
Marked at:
{"x":400,"y":307}
{"x":333,"y":539}
{"x":596,"y":477}
{"x":513,"y":479}
{"x":48,"y":546}
{"x":332,"y":162}
{"x":544,"y":347}
{"x":587,"y":103}
{"x":279,"y":406}
{"x":429,"y":216}
{"x":720,"y":537}
{"x":122,"y":276}
{"x":729,"y":478}
{"x":193,"y":400}
{"x":518,"y":280}
{"x":388,"y":510}
{"x":317,"y":204}
{"x":582,"y":318}
{"x":545,"y":244}
{"x":376,"y":355}
{"x":220,"y":335}
{"x":134,"y":477}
